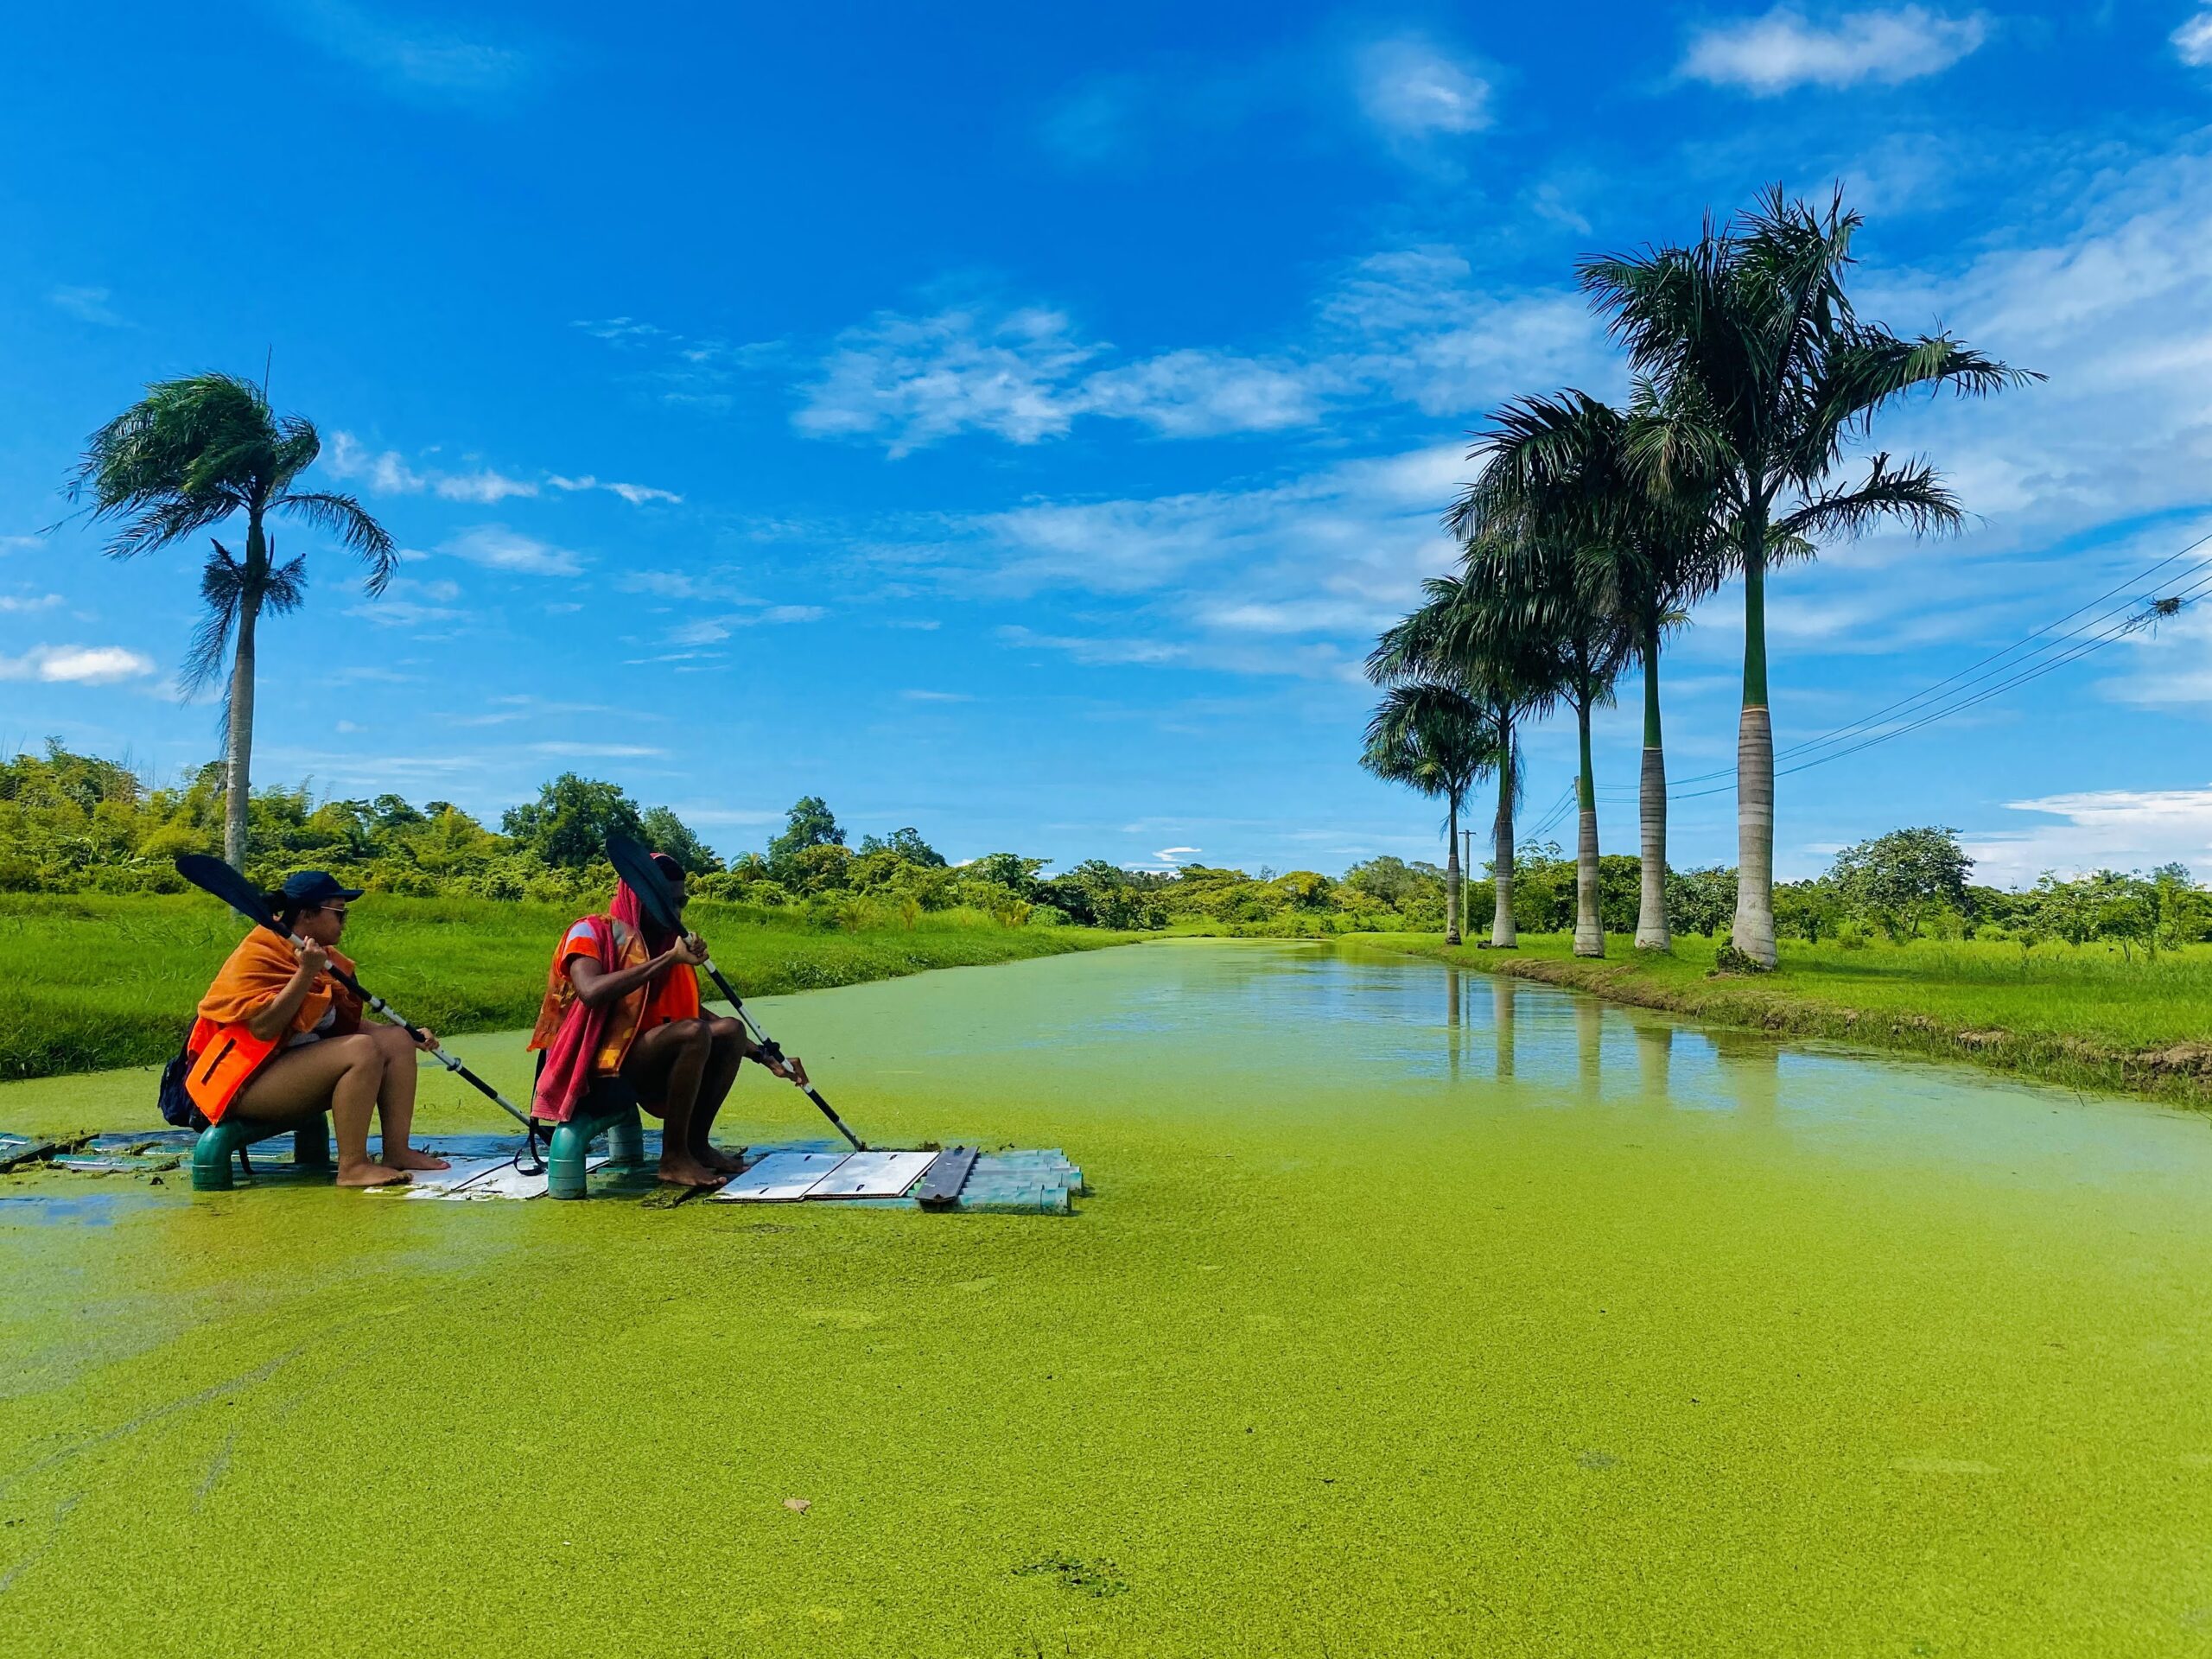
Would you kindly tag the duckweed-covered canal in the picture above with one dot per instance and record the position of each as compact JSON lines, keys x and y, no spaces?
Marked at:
{"x":1413,"y":1314}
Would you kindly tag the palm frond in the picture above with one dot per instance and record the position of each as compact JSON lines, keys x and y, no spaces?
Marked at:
{"x":222,"y":591}
{"x":344,"y":517}
{"x":1911,"y":493}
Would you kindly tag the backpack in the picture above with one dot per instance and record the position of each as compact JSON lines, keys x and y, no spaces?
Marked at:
{"x":176,"y":1103}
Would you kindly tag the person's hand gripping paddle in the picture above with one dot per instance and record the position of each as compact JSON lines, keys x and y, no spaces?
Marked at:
{"x":643,"y":877}
{"x":212,"y":875}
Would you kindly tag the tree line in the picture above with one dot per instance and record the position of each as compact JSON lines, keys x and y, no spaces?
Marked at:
{"x":1590,"y":531}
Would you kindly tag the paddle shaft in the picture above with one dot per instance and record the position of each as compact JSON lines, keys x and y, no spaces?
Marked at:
{"x":774,"y":1051}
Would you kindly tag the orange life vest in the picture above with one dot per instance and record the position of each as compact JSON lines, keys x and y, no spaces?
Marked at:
{"x":225,"y":1052}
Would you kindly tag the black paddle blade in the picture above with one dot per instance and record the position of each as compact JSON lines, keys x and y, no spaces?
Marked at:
{"x":643,"y":877}
{"x":212,"y":875}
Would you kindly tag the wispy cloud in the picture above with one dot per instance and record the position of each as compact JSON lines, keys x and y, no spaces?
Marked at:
{"x":18,"y":604}
{"x":1410,"y":325}
{"x":920,"y":696}
{"x":1766,"y":56}
{"x":407,"y":603}
{"x":636,"y":494}
{"x":77,"y":664}
{"x":498,"y":548}
{"x":1414,"y":89}
{"x":415,"y":60}
{"x":85,"y":304}
{"x":2109,"y":829}
{"x":388,"y":472}
{"x":596,"y":751}
{"x":2193,"y":41}
{"x":713,"y":630}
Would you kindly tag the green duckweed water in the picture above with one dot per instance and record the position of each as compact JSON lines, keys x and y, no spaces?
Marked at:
{"x":1413,"y":1314}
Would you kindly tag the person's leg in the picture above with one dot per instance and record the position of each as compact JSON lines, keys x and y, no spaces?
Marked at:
{"x":341,"y":1075}
{"x":725,"y":1054}
{"x":664,"y":1066}
{"x":396,"y":1099}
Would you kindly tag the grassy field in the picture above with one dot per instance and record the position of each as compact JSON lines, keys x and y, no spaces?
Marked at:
{"x":108,"y":981}
{"x":2084,"y":1015}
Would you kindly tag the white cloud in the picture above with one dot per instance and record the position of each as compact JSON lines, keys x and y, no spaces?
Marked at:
{"x":498,"y":548}
{"x":635,"y":494}
{"x":12,"y":605}
{"x":85,"y":304}
{"x":937,"y":696}
{"x":1412,"y":325}
{"x":1768,"y":56}
{"x":2193,"y":41}
{"x":1099,"y":652}
{"x":1412,"y":90}
{"x":1190,"y":394}
{"x":417,"y":62}
{"x":406,"y":603}
{"x":484,"y":486}
{"x":77,"y":665}
{"x":384,"y":472}
{"x":2111,"y":829}
{"x":713,"y":630}
{"x":596,"y":751}
{"x":922,"y":379}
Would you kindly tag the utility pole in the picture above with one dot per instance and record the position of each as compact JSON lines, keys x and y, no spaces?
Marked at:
{"x":1466,"y":872}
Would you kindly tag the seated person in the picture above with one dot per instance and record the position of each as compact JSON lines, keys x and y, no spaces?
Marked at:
{"x":621,"y":1000}
{"x":282,"y":1038}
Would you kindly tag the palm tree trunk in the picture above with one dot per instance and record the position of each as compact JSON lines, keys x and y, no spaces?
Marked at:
{"x":1502,"y":935}
{"x":238,"y":746}
{"x":1651,"y":931}
{"x":1452,"y":874}
{"x":1589,"y":918}
{"x":1753,"y":934}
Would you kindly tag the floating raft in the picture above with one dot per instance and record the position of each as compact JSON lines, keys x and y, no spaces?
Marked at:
{"x":484,"y":1167}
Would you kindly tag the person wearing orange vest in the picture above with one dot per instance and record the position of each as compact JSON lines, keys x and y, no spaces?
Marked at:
{"x":278,"y":1038}
{"x":621,"y":1000}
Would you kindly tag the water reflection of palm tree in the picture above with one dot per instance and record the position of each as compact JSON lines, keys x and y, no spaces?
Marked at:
{"x":1451,"y":992}
{"x":1501,"y":1019}
{"x":1655,"y":1054}
{"x":1589,"y":1038}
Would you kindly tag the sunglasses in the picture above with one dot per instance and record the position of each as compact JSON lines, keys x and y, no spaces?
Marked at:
{"x":339,"y":910}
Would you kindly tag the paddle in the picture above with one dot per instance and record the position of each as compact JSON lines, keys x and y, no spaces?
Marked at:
{"x":643,"y":877}
{"x":212,"y":875}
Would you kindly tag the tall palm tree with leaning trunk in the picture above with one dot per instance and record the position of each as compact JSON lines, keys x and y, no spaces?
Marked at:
{"x":1763,"y":374}
{"x":190,"y":455}
{"x":1435,"y":739}
{"x":1649,"y":553}
{"x":1447,"y":640}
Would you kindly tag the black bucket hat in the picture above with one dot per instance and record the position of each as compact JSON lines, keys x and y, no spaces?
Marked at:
{"x":306,"y":888}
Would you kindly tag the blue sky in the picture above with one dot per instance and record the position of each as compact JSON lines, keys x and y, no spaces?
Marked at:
{"x":1018,"y":423}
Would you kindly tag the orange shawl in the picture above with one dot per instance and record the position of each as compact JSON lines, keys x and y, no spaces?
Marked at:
{"x":256,"y":976}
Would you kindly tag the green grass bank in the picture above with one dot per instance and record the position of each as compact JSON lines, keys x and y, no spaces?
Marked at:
{"x":2088,"y":1016}
{"x":96,"y":980}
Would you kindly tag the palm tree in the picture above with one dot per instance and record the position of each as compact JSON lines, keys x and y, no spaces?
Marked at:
{"x":1648,"y":553}
{"x":1436,"y":739}
{"x":1762,"y":374}
{"x":1535,"y":594}
{"x":1446,"y":640}
{"x":188,"y":456}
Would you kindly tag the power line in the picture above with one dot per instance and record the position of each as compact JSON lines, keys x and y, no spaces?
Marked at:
{"x":1983,"y":669}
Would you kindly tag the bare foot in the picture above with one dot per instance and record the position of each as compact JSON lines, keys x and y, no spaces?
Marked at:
{"x":366,"y":1173}
{"x":409,"y":1158}
{"x":728,"y":1162}
{"x":690,"y":1171}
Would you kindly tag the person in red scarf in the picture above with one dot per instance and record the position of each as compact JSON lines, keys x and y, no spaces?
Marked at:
{"x":621,"y":1000}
